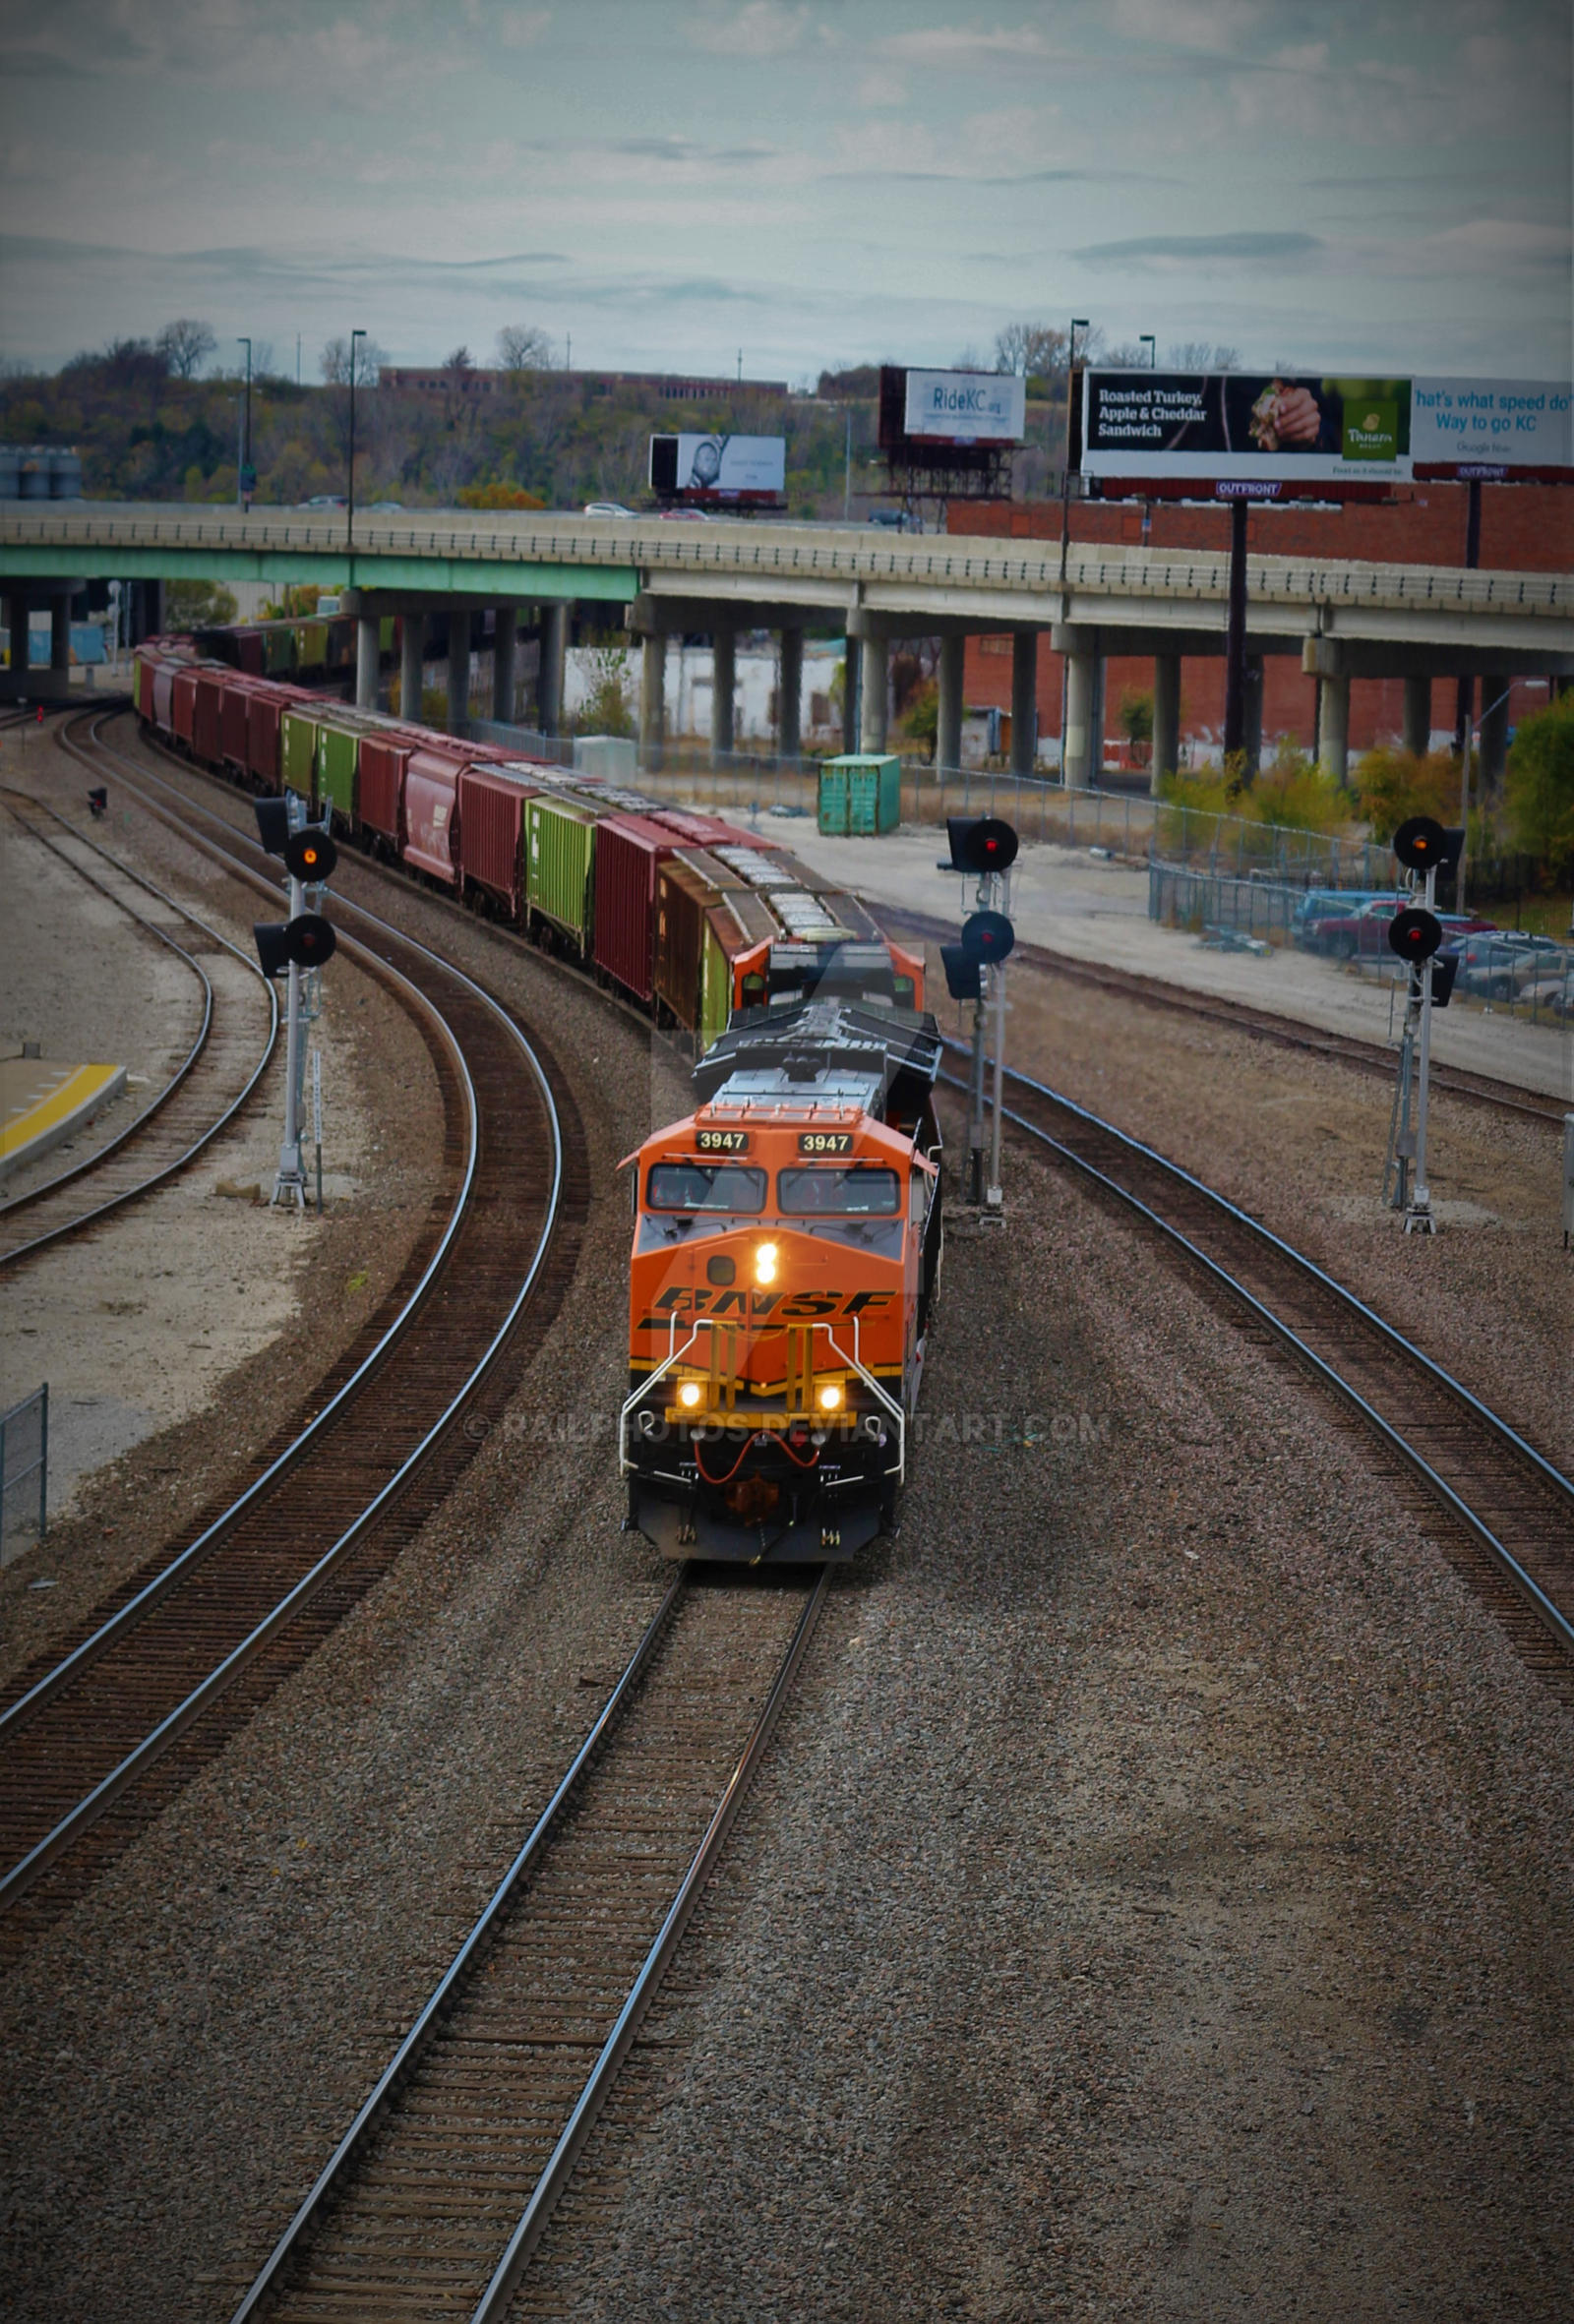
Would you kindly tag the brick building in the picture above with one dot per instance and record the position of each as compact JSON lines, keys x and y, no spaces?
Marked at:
{"x":1525,"y":528}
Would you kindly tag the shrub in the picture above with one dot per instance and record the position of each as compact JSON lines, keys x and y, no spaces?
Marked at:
{"x":1392,"y":783}
{"x":198,"y":605}
{"x":607,"y":709}
{"x":498,"y":495}
{"x":1291,"y":791}
{"x":1539,"y":790}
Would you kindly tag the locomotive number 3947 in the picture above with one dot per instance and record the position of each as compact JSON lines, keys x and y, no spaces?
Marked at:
{"x":825,"y":1141}
{"x":723,"y":1141}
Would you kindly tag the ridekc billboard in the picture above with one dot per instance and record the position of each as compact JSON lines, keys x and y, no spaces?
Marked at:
{"x":1256,"y":434}
{"x":966,"y":408}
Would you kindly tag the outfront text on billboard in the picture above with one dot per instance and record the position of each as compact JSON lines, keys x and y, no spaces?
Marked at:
{"x":966,"y":408}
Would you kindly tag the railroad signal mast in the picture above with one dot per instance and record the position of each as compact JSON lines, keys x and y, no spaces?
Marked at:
{"x":1425,"y":848}
{"x":983,"y":849}
{"x":298,"y":946}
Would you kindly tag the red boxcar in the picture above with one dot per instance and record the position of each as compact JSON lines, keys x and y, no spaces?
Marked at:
{"x":206,"y":743}
{"x":163,"y":696}
{"x":266,"y":702}
{"x":249,"y":645}
{"x":183,"y":703}
{"x":629,"y":848}
{"x":381,"y":788}
{"x":432,"y":813}
{"x":492,"y":835}
{"x":233,"y":707}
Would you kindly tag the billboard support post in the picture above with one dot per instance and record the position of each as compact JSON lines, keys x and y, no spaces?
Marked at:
{"x":1234,"y":686}
{"x":1465,"y":696}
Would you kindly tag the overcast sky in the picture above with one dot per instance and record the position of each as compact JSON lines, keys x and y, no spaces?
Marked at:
{"x":1375,"y":186}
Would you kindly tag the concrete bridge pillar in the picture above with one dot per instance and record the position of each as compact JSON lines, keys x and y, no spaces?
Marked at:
{"x":948,"y":721}
{"x":60,"y":634}
{"x":1418,"y":715}
{"x":413,"y":643}
{"x":790,"y":696}
{"x":17,"y":625}
{"x":652,"y":698}
{"x":459,"y":667}
{"x":874,"y":721}
{"x":723,"y":691}
{"x":1166,"y":719}
{"x":554,"y":659}
{"x":506,"y":619}
{"x":1024,"y":701}
{"x":1493,"y":734}
{"x":1333,"y":728}
{"x":852,"y":685}
{"x":1083,"y":751}
{"x":368,"y":660}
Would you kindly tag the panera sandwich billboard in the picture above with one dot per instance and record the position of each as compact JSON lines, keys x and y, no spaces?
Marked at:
{"x":1243,"y":433}
{"x":966,"y":408}
{"x":1255,"y":435}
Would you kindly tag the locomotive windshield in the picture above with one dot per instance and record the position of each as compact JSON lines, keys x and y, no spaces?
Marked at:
{"x":705,"y":1186}
{"x":858,"y":1190}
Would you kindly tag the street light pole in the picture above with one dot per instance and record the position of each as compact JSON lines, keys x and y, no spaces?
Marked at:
{"x":1148,"y":340}
{"x":349,"y":527}
{"x":245,"y":460}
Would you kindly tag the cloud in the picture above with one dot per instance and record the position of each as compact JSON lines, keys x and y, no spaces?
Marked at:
{"x":764,"y":27}
{"x":1164,"y":252}
{"x":1218,"y":25}
{"x":523,"y":25}
{"x":964,"y":46}
{"x":686,"y":150}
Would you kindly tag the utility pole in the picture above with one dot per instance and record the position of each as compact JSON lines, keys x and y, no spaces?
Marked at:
{"x":847,"y":472}
{"x":1235,"y":682}
{"x":243,"y":487}
{"x":1078,"y":322}
{"x":349,"y":531}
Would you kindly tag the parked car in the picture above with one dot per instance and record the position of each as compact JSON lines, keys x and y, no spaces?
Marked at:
{"x":1551,"y":996}
{"x":1321,"y":904}
{"x":1500,"y":966}
{"x":1366,"y":933}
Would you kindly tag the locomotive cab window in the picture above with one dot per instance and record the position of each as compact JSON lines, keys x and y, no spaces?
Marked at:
{"x":705,"y":1186}
{"x":863,"y":1190}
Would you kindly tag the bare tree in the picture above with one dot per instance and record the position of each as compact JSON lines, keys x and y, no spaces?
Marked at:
{"x":185,"y":345}
{"x":462,"y":360}
{"x":523,"y":347}
{"x":335,"y":363}
{"x":1033,"y":350}
{"x":1201,"y":355}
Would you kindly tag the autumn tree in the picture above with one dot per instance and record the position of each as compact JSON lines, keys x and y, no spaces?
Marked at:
{"x":523,"y":347}
{"x":185,"y":346}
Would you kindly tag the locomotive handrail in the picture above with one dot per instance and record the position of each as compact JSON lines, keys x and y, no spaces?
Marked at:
{"x":886,"y":1399}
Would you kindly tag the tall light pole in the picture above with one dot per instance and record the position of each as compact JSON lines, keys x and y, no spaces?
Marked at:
{"x":1148,"y":340}
{"x":243,"y":464}
{"x":349,"y":528}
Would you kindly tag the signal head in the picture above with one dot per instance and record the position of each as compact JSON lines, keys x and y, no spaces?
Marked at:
{"x":1413,"y":934}
{"x":310,"y":854}
{"x":987,"y":936}
{"x":272,"y":823}
{"x":981,"y":842}
{"x":962,"y":979}
{"x":1422,"y":845}
{"x":312,"y":940}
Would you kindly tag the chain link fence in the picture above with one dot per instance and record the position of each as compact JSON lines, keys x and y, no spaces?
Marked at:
{"x":23,"y":1473}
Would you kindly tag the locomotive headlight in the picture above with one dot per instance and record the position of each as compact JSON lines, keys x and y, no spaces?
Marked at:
{"x":689,"y":1392}
{"x":765,"y":1262}
{"x":830,"y":1398}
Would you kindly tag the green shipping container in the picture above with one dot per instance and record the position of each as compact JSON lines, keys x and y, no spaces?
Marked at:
{"x":560,"y":860}
{"x":338,"y":749}
{"x":860,"y":796}
{"x":278,"y":651}
{"x":297,"y":751}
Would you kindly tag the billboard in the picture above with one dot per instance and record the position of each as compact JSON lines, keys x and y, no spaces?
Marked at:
{"x":966,"y":408}
{"x":1246,"y":434}
{"x":1491,"y":428}
{"x":724,"y":469}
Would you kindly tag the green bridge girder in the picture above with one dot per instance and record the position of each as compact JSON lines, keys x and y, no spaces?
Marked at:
{"x":487,"y":581}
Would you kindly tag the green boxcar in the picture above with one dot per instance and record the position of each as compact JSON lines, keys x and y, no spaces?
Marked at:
{"x":716,"y":991}
{"x":297,"y":751}
{"x":278,"y":651}
{"x":560,"y":863}
{"x":860,"y":796}
{"x":312,"y":645}
{"x":339,"y":750}
{"x":385,"y":634}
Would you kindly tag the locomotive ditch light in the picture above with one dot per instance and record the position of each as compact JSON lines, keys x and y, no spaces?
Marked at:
{"x":962,"y":979}
{"x":1415,"y":935}
{"x":981,"y":842}
{"x":829,"y":1397}
{"x":765,"y":1258}
{"x":689,"y":1392}
{"x":1421,"y":844}
{"x":272,"y":823}
{"x":310,"y":854}
{"x":987,"y":936}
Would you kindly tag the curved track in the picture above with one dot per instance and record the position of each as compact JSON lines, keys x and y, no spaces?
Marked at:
{"x":439,"y":2191}
{"x":1512,"y":1510}
{"x":200,"y":1098}
{"x":92,"y":1748}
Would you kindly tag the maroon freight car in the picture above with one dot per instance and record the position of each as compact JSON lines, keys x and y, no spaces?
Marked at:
{"x":206,"y":744}
{"x":183,"y":704}
{"x":629,"y":848}
{"x":380,"y":796}
{"x":432,"y":812}
{"x":492,"y":836}
{"x":266,"y":705}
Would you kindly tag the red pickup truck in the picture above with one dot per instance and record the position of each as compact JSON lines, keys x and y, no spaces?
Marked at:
{"x":1366,"y":932}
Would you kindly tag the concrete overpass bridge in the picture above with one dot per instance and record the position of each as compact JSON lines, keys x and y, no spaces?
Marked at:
{"x":1343,"y":620}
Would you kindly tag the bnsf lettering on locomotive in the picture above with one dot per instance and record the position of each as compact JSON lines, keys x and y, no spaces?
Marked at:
{"x":755,"y":1306}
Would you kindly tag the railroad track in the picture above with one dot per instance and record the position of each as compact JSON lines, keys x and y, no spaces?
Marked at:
{"x":1509,"y":1510}
{"x":200,"y":1098}
{"x":1344,"y":1048}
{"x":436,"y":2197}
{"x":93,"y":1746}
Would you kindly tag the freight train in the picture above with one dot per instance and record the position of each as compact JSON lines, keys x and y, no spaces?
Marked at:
{"x":787,"y":1237}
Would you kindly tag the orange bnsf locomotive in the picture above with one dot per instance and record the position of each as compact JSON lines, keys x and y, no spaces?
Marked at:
{"x":786,"y":1257}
